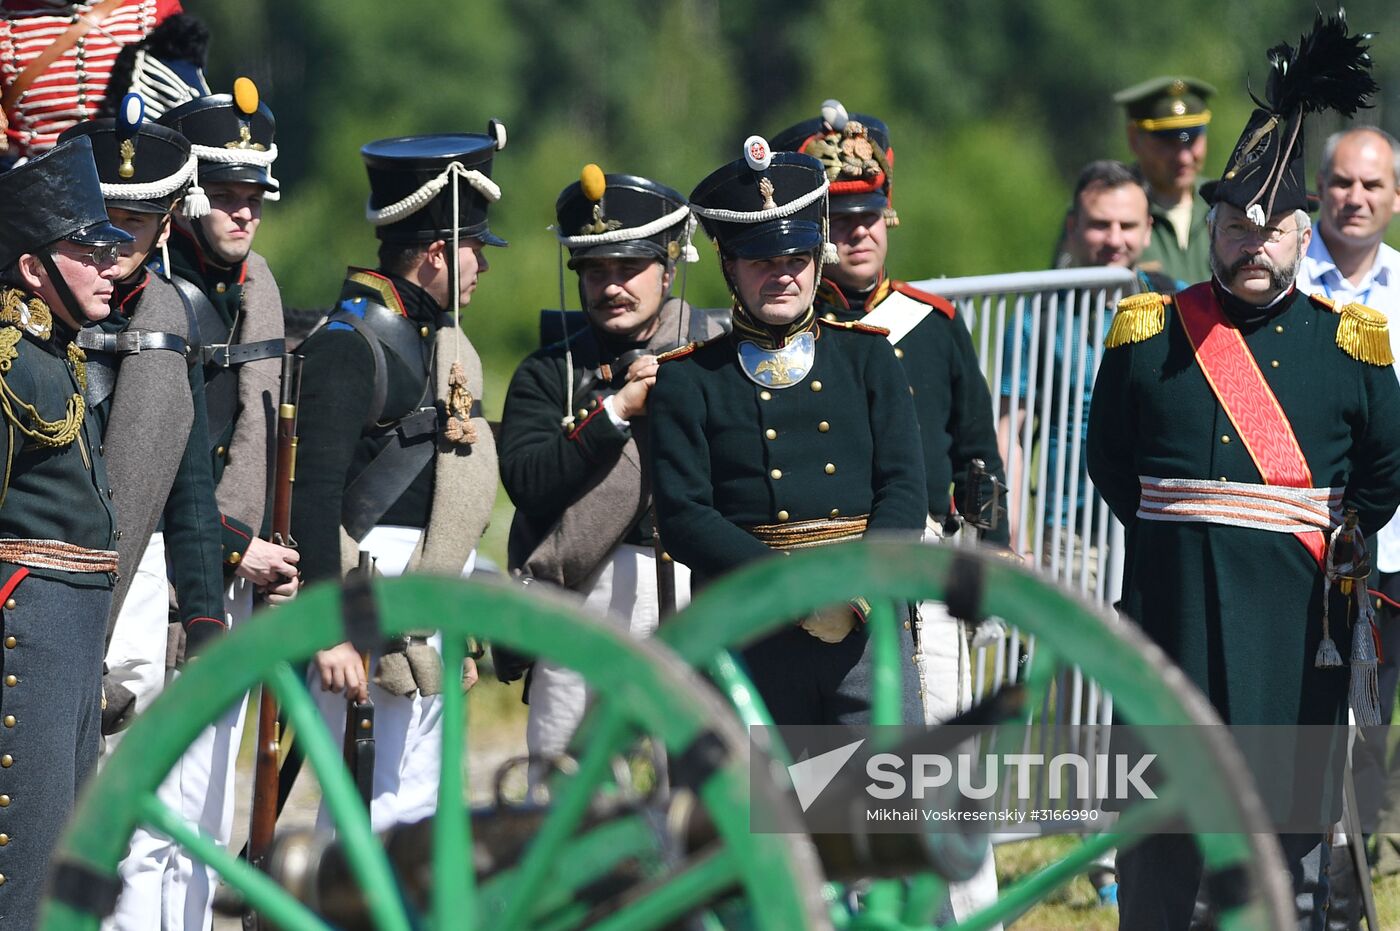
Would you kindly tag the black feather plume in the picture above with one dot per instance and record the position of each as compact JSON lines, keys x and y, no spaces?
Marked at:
{"x":1331,"y":70}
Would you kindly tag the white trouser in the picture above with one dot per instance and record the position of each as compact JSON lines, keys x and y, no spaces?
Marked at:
{"x":163,"y":887}
{"x":407,"y":730}
{"x":136,"y":655}
{"x":623,"y":590}
{"x":944,"y":662}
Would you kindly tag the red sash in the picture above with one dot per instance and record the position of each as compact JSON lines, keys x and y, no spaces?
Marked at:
{"x":1233,"y":374}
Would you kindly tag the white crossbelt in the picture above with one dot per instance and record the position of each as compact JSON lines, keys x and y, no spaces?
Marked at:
{"x":1240,"y":504}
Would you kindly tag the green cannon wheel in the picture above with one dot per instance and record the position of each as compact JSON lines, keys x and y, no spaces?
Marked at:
{"x":1222,"y":808}
{"x":553,"y":881}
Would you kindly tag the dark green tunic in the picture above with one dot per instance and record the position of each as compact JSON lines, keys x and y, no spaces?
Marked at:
{"x":333,"y":443}
{"x":53,"y":493}
{"x":1241,"y":609}
{"x":718,"y":472}
{"x":950,"y":395}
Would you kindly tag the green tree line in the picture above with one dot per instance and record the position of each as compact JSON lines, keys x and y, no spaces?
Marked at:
{"x":993,"y":106}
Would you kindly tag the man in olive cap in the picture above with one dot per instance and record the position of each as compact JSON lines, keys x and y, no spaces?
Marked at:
{"x":1167,"y":121}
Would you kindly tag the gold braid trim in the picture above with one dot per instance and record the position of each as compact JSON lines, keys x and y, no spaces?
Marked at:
{"x":45,"y":433}
{"x":1139,"y":317}
{"x":1362,"y":333}
{"x":28,"y":313}
{"x":802,"y":534}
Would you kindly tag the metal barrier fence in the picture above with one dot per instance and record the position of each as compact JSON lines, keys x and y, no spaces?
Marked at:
{"x":1039,"y":338}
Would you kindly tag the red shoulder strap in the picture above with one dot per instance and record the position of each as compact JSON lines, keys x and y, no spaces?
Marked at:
{"x":940,"y":304}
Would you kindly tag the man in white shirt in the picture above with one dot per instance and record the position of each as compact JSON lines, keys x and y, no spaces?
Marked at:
{"x":1348,"y":261}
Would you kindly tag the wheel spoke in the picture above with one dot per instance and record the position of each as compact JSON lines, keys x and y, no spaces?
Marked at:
{"x":703,"y":878}
{"x":260,"y":893}
{"x":887,"y":687}
{"x":362,"y":849}
{"x":570,"y":804}
{"x":588,"y":858}
{"x":1022,"y":895}
{"x":454,"y":880}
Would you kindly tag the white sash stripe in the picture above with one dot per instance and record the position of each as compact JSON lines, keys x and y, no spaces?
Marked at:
{"x":1240,"y":504}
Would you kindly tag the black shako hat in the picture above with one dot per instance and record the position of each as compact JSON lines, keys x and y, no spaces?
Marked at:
{"x":765,"y":204}
{"x":622,"y":216}
{"x":143,"y":167}
{"x":413,"y":181}
{"x":52,"y":197}
{"x":232,"y":134}
{"x":1330,"y":70}
{"x":855,"y":150}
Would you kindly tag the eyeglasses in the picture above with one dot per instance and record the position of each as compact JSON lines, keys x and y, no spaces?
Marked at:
{"x":1248,"y":232}
{"x":104,"y":254}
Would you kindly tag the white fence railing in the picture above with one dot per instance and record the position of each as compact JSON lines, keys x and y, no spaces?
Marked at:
{"x":1039,"y":338}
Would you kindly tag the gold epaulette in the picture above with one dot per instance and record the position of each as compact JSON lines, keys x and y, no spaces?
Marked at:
{"x":1363,"y":334}
{"x":681,"y":352}
{"x":855,"y":326}
{"x":1139,"y":317}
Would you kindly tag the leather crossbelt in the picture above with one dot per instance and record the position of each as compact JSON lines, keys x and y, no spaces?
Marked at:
{"x":1240,"y":504}
{"x":129,"y":342}
{"x":801,"y":534}
{"x":227,"y":355}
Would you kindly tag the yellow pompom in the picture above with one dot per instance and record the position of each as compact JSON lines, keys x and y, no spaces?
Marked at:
{"x":245,"y":96}
{"x":592,"y":181}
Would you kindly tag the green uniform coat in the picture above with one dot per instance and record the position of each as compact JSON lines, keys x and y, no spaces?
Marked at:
{"x":950,"y":395}
{"x":717,"y":472}
{"x":1241,"y":609}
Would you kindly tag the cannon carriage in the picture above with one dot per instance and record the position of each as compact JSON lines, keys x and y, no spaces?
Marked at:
{"x":594,"y":850}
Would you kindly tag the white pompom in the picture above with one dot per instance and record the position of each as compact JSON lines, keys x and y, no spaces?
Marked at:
{"x":835,"y":114}
{"x":829,"y":254}
{"x":690,"y":254}
{"x":758,"y":153}
{"x":1255,"y":215}
{"x":196,"y":203}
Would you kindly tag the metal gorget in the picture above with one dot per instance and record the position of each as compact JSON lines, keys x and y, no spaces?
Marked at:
{"x":779,"y":368}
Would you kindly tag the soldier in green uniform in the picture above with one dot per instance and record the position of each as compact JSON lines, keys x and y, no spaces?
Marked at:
{"x":57,"y":527}
{"x":1167,"y":121}
{"x":790,"y":432}
{"x":1230,"y":427}
{"x":951,"y":399}
{"x":394,"y":457}
{"x":239,"y":312}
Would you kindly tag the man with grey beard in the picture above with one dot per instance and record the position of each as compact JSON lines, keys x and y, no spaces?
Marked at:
{"x":1231,"y":427}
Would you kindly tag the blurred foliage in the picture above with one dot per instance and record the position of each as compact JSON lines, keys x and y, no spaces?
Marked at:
{"x":993,"y":105}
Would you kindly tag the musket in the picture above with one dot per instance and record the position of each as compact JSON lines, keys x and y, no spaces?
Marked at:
{"x":359,"y":716}
{"x":263,"y":816}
